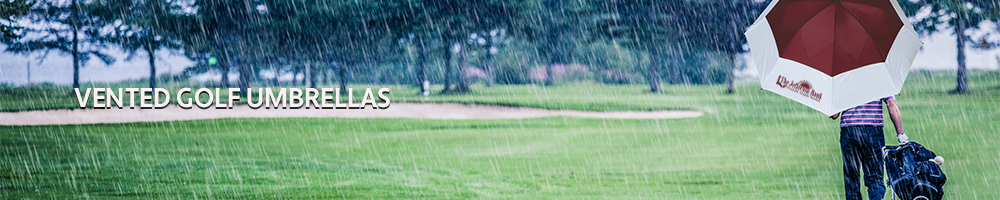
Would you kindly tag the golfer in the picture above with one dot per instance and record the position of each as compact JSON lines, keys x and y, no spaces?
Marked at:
{"x":861,"y":142}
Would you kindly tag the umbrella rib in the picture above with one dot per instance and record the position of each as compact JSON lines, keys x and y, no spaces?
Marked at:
{"x":864,"y":28}
{"x":833,"y":60}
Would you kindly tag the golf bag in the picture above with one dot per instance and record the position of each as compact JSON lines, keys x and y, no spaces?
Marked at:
{"x":911,"y":175}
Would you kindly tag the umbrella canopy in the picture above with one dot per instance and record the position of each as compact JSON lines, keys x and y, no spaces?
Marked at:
{"x":833,"y":54}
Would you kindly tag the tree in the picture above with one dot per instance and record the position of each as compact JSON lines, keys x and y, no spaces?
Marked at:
{"x":720,"y":27}
{"x":961,"y":16}
{"x":679,"y":27}
{"x":479,"y":18}
{"x":341,"y":35}
{"x":647,"y":25}
{"x":414,"y":22}
{"x":11,"y":10}
{"x":446,"y":56}
{"x":143,"y":27}
{"x":224,"y":29}
{"x":555,"y":26}
{"x":490,"y":40}
{"x":447,"y":23}
{"x":364,"y":37}
{"x":65,"y":22}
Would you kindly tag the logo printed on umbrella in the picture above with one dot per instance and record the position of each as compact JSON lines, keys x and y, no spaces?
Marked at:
{"x":802,"y":87}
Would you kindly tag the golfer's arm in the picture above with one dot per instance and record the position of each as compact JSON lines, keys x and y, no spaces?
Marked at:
{"x":897,"y":121}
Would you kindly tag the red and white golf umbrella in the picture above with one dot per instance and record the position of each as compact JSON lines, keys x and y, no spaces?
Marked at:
{"x":832,"y":55}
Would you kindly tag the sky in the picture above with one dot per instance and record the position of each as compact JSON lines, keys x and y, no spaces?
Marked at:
{"x":938,"y":53}
{"x":58,"y":69}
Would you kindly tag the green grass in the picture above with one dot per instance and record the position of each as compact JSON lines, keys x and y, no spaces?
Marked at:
{"x":751,"y":145}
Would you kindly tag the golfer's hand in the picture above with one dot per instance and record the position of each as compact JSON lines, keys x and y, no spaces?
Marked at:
{"x":902,"y":138}
{"x":834,"y":116}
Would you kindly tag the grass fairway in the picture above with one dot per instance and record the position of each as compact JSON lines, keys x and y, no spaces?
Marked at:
{"x":751,"y":145}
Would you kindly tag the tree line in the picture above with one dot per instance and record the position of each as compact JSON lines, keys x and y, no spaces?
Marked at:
{"x":413,"y":41}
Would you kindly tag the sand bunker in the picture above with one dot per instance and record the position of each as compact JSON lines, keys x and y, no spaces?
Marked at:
{"x":397,"y":110}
